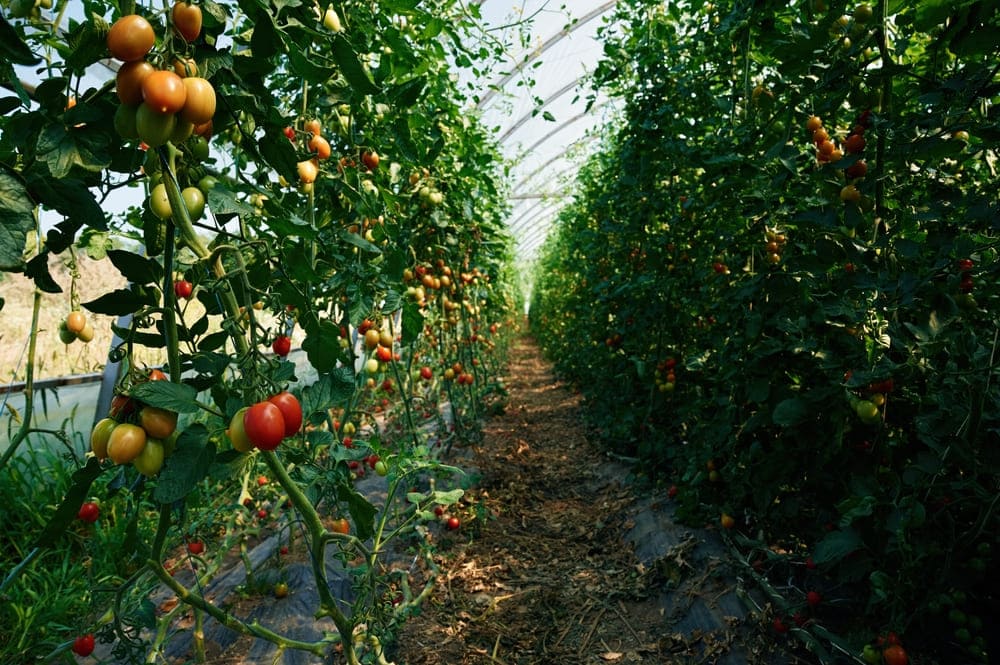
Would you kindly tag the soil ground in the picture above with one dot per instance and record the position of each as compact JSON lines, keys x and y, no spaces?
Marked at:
{"x":551,"y":575}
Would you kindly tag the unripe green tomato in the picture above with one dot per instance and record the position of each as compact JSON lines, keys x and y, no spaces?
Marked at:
{"x":194,"y":199}
{"x":99,"y":437}
{"x":125,"y":122}
{"x":371,"y":366}
{"x":207,"y":183}
{"x":150,"y":460}
{"x":154,"y":128}
{"x":199,"y":148}
{"x":381,"y":468}
{"x":21,"y":8}
{"x":66,"y":336}
{"x":182,"y":131}
{"x":159,"y":203}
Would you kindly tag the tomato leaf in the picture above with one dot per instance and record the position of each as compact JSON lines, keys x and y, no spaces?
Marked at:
{"x":62,"y":149}
{"x":11,"y":46}
{"x":350,"y":66}
{"x":412,"y":323}
{"x":135,"y":268}
{"x":38,"y":270}
{"x":362,"y":512}
{"x":330,"y":390}
{"x":322,"y":345}
{"x":836,"y":545}
{"x":277,"y":150}
{"x":120,"y":302}
{"x":78,"y":492}
{"x":407,"y":94}
{"x":69,"y":197}
{"x":189,"y":464}
{"x":790,"y":412}
{"x":168,"y":395}
{"x":16,"y":220}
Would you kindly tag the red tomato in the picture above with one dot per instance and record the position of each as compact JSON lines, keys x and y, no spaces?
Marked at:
{"x":196,"y":547}
{"x":370,"y":159}
{"x":453,"y":523}
{"x":183,"y":289}
{"x":158,"y":423}
{"x":282,"y":345}
{"x":814,"y":598}
{"x":426,"y":373}
{"x":84,"y":645}
{"x":854,"y":144}
{"x":291,"y":411}
{"x":264,"y":425}
{"x":89,"y":512}
{"x":340,"y":526}
{"x":130,"y":38}
{"x":895,"y":655}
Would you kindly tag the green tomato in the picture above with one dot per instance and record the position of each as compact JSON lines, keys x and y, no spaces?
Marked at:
{"x":237,"y":432}
{"x":381,"y":468}
{"x":182,"y":131}
{"x":159,"y":203}
{"x":154,"y":128}
{"x":207,"y":183}
{"x":194,"y":200}
{"x":871,"y":655}
{"x":199,"y":148}
{"x":867,"y":412}
{"x":125,"y":122}
{"x":150,"y":460}
{"x":66,"y":336}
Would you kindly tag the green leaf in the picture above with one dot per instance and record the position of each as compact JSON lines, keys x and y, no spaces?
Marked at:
{"x":66,"y":512}
{"x":304,"y":65}
{"x":221,"y":201}
{"x":836,"y":545}
{"x":322,"y":346}
{"x":11,"y":46}
{"x":407,"y":94}
{"x":362,"y":512}
{"x":38,"y":270}
{"x":189,"y":464}
{"x":69,"y":197}
{"x":790,"y":412}
{"x":62,"y":149}
{"x":412,"y":324}
{"x":168,"y":395}
{"x":448,"y":498}
{"x":358,"y":241}
{"x":329,"y":390}
{"x":350,"y":65}
{"x":120,"y":302}
{"x":16,"y":220}
{"x":135,"y":268}
{"x":279,"y":153}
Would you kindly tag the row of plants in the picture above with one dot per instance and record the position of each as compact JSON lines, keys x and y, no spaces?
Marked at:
{"x":311,"y":179}
{"x":777,"y":285}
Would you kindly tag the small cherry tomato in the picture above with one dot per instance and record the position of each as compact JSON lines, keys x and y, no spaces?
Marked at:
{"x":89,"y":512}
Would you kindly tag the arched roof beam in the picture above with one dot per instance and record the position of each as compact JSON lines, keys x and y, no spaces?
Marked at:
{"x":547,"y":44}
{"x":572,"y":85}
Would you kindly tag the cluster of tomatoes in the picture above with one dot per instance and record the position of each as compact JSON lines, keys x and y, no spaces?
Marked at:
{"x":135,"y":433}
{"x":266,"y":424}
{"x":458,"y":374}
{"x":159,"y":105}
{"x":75,"y":327}
{"x":775,"y":244}
{"x":380,"y":344}
{"x":869,"y":406}
{"x":664,"y":376}
{"x":886,"y":649}
{"x":965,"y":284}
{"x":827,"y":151}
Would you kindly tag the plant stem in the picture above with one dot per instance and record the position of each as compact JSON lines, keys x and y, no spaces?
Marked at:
{"x":29,"y":384}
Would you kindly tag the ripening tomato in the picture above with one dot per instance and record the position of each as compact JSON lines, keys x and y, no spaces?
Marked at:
{"x":370,"y":159}
{"x":182,"y":131}
{"x":99,"y":437}
{"x":131,"y":38}
{"x":128,"y":81}
{"x":313,"y":127}
{"x":158,"y":202}
{"x":340,"y":525}
{"x":89,"y":512}
{"x":857,"y":170}
{"x":320,"y":146}
{"x":850,"y":194}
{"x":199,"y":102}
{"x":237,"y":432}
{"x":187,"y":20}
{"x":126,"y":443}
{"x":813,"y":123}
{"x":854,"y":144}
{"x":185,"y":67}
{"x":308,"y":171}
{"x":75,"y":321}
{"x":154,"y":129}
{"x":383,"y":354}
{"x":291,"y":411}
{"x":727,"y":521}
{"x":158,"y":423}
{"x":280,"y":590}
{"x":264,"y":425}
{"x":150,"y":460}
{"x":164,"y":91}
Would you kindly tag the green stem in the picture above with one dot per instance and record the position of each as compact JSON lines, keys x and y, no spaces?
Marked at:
{"x":29,"y":384}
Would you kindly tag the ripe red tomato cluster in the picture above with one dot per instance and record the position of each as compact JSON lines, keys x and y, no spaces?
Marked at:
{"x":267,"y":423}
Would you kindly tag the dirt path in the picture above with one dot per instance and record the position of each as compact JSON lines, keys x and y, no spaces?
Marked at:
{"x":550,"y":576}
